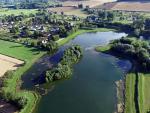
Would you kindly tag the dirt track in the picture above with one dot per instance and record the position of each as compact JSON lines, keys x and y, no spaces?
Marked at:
{"x":8,"y":63}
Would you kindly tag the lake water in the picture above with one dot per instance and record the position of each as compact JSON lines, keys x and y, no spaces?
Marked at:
{"x":91,"y":89}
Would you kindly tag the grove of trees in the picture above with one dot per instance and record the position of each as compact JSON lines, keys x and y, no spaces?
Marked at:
{"x":137,"y":50}
{"x":63,"y":69}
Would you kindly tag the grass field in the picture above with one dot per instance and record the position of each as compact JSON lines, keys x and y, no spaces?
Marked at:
{"x":17,"y":11}
{"x":144,"y":93}
{"x":30,"y":56}
{"x":17,"y":50}
{"x":129,"y":93}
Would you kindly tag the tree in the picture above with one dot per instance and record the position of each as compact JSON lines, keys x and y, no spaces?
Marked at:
{"x":80,"y":6}
{"x":147,"y":24}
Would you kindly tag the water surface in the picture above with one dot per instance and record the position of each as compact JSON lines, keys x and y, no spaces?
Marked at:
{"x":91,"y":89}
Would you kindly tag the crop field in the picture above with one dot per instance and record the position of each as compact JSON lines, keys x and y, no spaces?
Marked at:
{"x":8,"y":63}
{"x":68,"y":10}
{"x":128,"y":6}
{"x":90,"y":3}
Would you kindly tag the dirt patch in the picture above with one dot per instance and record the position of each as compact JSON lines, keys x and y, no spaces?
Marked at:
{"x":128,"y":6}
{"x":6,"y":107}
{"x":8,"y":63}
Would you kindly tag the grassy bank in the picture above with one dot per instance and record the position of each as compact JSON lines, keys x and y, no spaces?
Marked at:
{"x":30,"y":56}
{"x":81,"y":31}
{"x":129,"y":93}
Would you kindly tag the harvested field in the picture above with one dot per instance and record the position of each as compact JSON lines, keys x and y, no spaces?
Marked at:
{"x":68,"y":10}
{"x":128,"y":6}
{"x":90,"y":3}
{"x":8,"y":63}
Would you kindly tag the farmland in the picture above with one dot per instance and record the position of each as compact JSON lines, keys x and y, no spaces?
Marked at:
{"x":17,"y":11}
{"x":69,"y":10}
{"x":90,"y":3}
{"x":128,"y":6}
{"x":8,"y":63}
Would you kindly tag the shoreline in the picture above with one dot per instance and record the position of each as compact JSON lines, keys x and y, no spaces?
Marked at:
{"x":130,"y":84}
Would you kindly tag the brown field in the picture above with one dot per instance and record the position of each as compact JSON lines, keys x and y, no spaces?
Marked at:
{"x":68,"y":10}
{"x":128,"y":6}
{"x":8,"y":63}
{"x":90,"y":3}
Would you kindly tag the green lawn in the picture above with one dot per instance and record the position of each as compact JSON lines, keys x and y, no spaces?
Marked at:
{"x":17,"y":11}
{"x":129,"y":93}
{"x":30,"y":56}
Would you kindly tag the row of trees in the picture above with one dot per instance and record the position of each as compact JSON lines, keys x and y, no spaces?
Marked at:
{"x":64,"y":68}
{"x":135,"y":49}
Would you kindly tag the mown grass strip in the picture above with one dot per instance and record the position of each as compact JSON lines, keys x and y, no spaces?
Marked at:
{"x":129,"y":93}
{"x":144,"y":92}
{"x":141,"y":93}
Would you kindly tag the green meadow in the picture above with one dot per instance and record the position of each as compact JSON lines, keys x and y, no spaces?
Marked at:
{"x":17,"y":11}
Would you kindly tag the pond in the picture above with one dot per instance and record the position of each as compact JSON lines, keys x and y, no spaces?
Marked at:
{"x":91,"y":89}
